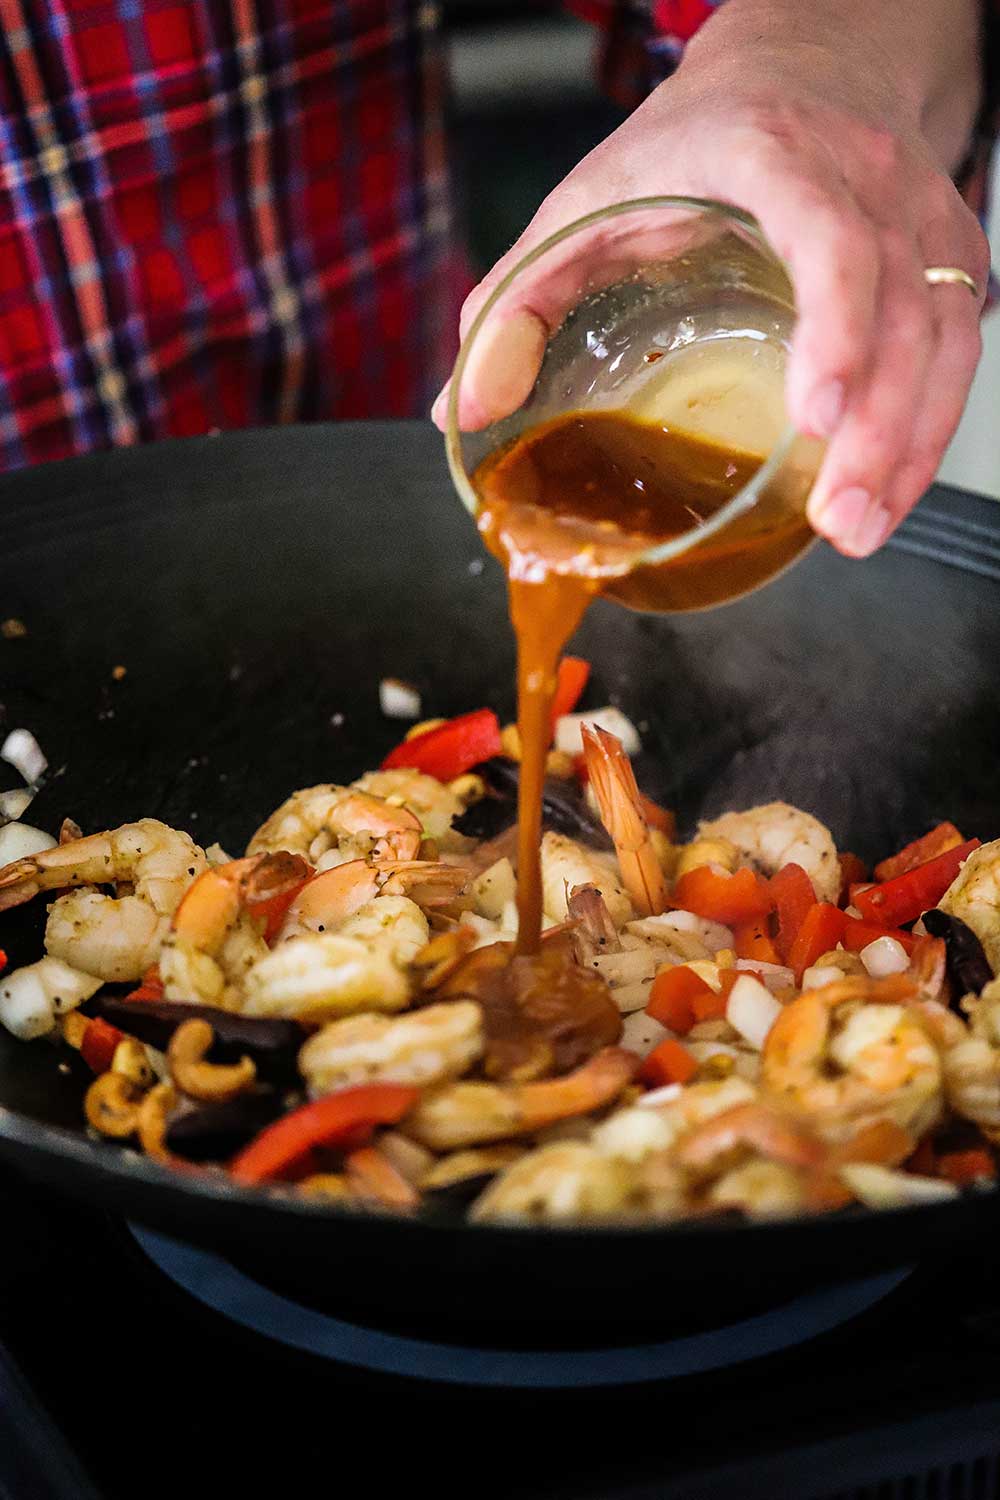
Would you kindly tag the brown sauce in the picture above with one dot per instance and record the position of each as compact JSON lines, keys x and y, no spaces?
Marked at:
{"x":570,"y":501}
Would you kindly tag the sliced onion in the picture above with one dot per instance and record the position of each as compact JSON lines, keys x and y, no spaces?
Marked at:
{"x":640,"y":1033}
{"x":713,"y":934}
{"x":880,"y":1187}
{"x":398,"y":700}
{"x":752,"y":1010}
{"x":666,"y":1095}
{"x":886,"y":955}
{"x":632,"y":997}
{"x":22,"y":751}
{"x":21,"y":841}
{"x":775,"y":976}
{"x":570,"y":738}
{"x":820,"y":975}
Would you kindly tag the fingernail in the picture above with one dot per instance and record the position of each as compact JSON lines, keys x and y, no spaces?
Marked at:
{"x":843,"y":514}
{"x":826,"y":409}
{"x":872,"y":532}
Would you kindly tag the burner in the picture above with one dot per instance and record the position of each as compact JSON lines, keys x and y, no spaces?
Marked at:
{"x":220,"y":1286}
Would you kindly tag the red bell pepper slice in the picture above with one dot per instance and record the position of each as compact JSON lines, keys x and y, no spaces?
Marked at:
{"x":822,"y":929}
{"x":571,"y":679}
{"x":99,"y":1043}
{"x":858,"y":933}
{"x":964,"y":1167}
{"x":712,"y":1006}
{"x":940,"y":839}
{"x":853,"y":871}
{"x":452,"y":748}
{"x":150,"y":986}
{"x":346,"y":1118}
{"x":724,"y":898}
{"x":671,"y":997}
{"x":793,"y":895}
{"x":905,"y":897}
{"x":3,"y":960}
{"x":752,"y":940}
{"x":670,"y":1062}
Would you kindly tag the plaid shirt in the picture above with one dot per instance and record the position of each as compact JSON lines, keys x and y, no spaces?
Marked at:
{"x":222,"y":212}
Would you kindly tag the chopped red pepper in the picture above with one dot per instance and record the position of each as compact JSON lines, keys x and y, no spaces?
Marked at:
{"x":672,"y":995}
{"x":712,"y":1006}
{"x":99,"y":1043}
{"x":670,"y":1062}
{"x":3,"y":960}
{"x":724,"y":898}
{"x":940,"y":839}
{"x":857,"y":934}
{"x":822,"y":929}
{"x":571,"y":679}
{"x":580,"y":770}
{"x":346,"y":1118}
{"x":853,"y":871}
{"x":452,"y":748}
{"x":793,"y":895}
{"x":660,"y":818}
{"x":963,"y":1167}
{"x":906,"y":896}
{"x":752,"y":940}
{"x":923,"y":1161}
{"x":150,"y":986}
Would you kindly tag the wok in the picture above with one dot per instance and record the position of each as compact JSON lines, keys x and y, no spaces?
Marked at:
{"x":257,"y":586}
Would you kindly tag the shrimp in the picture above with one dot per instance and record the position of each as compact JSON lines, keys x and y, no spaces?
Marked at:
{"x":213,"y":942}
{"x":471,"y":1114}
{"x":777,"y":834}
{"x":970,"y":1058}
{"x":974,"y":896}
{"x":425,"y":1047}
{"x":118,"y":937}
{"x":613,"y":781}
{"x":761,"y":1189}
{"x":329,"y":900}
{"x":756,"y":1127}
{"x":595,"y":933}
{"x":563,"y":1182}
{"x":642,"y":1130}
{"x":434,"y":803}
{"x":317,"y":977}
{"x":566,"y":864}
{"x":852,"y":1053}
{"x":318,"y":818}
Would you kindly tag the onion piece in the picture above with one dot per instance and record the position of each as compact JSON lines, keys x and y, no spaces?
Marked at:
{"x":32,"y":997}
{"x":752,"y":1010}
{"x":880,"y":1187}
{"x":820,"y":975}
{"x":21,"y":841}
{"x":22,"y":751}
{"x":398,"y":700}
{"x":883,"y":957}
{"x":632,"y":997}
{"x":713,"y":934}
{"x":570,"y":739}
{"x":14,"y":804}
{"x":775,"y":976}
{"x":640,"y":1033}
{"x":655,"y":1097}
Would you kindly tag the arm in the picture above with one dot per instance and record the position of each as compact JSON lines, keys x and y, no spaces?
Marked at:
{"x":837,"y":123}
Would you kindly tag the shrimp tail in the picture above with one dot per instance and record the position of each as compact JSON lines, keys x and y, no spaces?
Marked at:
{"x":617,"y":794}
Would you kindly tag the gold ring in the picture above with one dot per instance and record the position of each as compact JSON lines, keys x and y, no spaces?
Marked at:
{"x":950,"y":276}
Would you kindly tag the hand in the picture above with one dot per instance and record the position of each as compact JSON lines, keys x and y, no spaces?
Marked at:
{"x":850,"y":195}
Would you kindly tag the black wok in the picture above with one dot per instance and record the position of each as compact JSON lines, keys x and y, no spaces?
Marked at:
{"x":256,"y":587}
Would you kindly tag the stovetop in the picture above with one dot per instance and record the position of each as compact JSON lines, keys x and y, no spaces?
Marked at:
{"x":114,"y":1381}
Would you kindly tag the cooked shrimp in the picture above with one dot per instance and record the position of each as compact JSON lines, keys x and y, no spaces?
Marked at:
{"x":116,"y":937}
{"x":434,"y":803}
{"x":595,"y":933}
{"x":566,"y":864}
{"x":565,"y":1181}
{"x":974,"y":896}
{"x":424,"y":1047}
{"x":613,"y":781}
{"x":213,"y":943}
{"x":762,"y":1189}
{"x":853,"y":1052}
{"x":469,"y":1114}
{"x":326,"y":902}
{"x":970,"y":1058}
{"x":756,"y":1128}
{"x":777,"y":834}
{"x":640,"y":1130}
{"x":319,"y":818}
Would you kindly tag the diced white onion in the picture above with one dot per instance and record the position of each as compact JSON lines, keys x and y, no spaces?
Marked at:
{"x":880,"y":1187}
{"x":632,"y":997}
{"x":216,"y":856}
{"x":884,"y":956}
{"x":704,"y":1050}
{"x":14,"y":804}
{"x":22,"y":751}
{"x":31,"y":998}
{"x":752,"y":1010}
{"x":570,"y":738}
{"x":21,"y":841}
{"x":775,"y":976}
{"x":713,"y":934}
{"x":820,"y":975}
{"x":633,"y":966}
{"x":852,"y":911}
{"x":640,"y":1033}
{"x":655,"y":1097}
{"x":398,"y":700}
{"x":492,"y":890}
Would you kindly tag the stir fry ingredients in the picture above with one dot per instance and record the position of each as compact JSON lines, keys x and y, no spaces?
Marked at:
{"x":744,"y":1023}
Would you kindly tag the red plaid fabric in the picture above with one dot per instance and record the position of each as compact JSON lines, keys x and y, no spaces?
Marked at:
{"x":215,"y":213}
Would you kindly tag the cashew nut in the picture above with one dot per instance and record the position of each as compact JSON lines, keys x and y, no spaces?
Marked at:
{"x":189,"y":1047}
{"x":151,"y":1121}
{"x":131,"y":1061}
{"x":112,"y":1105}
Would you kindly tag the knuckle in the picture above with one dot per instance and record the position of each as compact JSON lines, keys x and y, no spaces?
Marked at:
{"x":883,"y":151}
